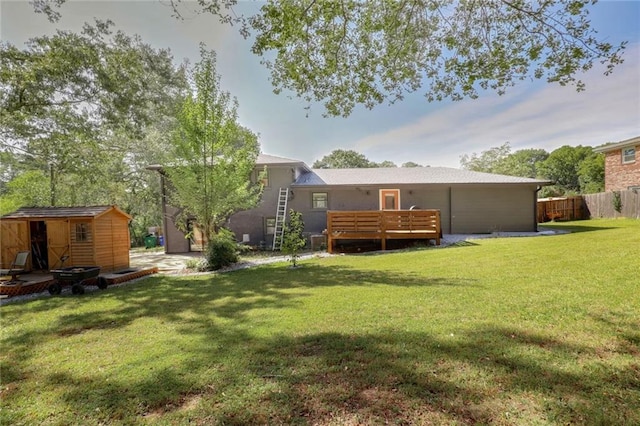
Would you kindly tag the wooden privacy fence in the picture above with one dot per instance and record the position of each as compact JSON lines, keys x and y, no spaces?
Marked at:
{"x":603,"y":205}
{"x":561,"y":208}
{"x":383,"y":225}
{"x":590,"y":206}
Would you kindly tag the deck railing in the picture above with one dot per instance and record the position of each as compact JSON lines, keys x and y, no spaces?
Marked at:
{"x":383,"y":225}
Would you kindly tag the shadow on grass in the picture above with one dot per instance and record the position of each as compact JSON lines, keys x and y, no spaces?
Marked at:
{"x":574,"y":227}
{"x":271,"y":286}
{"x":489,"y":374}
{"x":229,"y":295}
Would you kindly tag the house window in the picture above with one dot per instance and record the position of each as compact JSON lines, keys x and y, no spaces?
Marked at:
{"x":270,"y":225}
{"x":628,"y":155}
{"x":262,"y":176}
{"x":319,"y":200}
{"x":82,"y":232}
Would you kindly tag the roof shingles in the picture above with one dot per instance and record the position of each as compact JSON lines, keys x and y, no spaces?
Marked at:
{"x":57,"y":212}
{"x":406,"y":175}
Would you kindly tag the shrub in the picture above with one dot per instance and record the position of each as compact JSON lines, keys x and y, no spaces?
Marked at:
{"x":294,"y":240}
{"x":617,"y":201}
{"x":197,"y":264}
{"x":222,"y":250}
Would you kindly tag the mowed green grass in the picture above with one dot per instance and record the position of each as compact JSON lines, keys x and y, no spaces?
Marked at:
{"x":529,"y":331}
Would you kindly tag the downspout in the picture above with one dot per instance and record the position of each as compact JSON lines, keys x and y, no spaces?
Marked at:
{"x":535,"y":210}
{"x":164,"y":210}
{"x":450,"y":213}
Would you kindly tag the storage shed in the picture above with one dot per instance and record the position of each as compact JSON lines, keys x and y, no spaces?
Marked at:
{"x":79,"y":236}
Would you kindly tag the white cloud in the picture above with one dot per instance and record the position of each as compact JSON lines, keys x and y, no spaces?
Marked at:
{"x":551,"y":116}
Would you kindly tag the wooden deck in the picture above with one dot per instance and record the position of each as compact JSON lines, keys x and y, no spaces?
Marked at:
{"x":383,"y":225}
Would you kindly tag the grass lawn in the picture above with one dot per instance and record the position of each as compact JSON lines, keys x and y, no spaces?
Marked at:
{"x":529,"y":331}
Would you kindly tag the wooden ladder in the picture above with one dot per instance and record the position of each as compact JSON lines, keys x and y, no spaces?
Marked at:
{"x":281,"y":215}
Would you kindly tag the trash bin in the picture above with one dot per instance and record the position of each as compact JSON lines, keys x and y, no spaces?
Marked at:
{"x":161,"y":240}
{"x":150,"y":241}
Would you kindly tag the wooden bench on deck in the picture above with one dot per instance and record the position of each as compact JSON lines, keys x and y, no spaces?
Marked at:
{"x":383,"y":225}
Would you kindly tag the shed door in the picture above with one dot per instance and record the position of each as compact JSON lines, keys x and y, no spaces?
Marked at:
{"x":14,"y":238}
{"x":58,"y":242}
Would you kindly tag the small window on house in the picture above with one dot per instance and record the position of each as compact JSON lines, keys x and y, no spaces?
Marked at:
{"x":262,"y":176}
{"x":270,"y":225}
{"x":82,"y":232}
{"x":628,"y":155}
{"x":320,"y":200}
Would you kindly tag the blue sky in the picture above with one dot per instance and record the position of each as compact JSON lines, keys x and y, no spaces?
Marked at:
{"x":531,"y":115}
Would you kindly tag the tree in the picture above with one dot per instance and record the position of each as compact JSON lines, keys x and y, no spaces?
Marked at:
{"x":368,"y":52}
{"x":411,"y":164}
{"x":343,"y":159}
{"x":385,"y":163}
{"x":591,"y":174}
{"x":27,"y":189}
{"x":213,"y":155}
{"x":78,"y":107}
{"x":488,"y":161}
{"x":563,"y":166}
{"x":523,"y":163}
{"x":293,"y":239}
{"x":501,"y":160}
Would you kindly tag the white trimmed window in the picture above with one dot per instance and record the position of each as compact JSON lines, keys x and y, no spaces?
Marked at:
{"x":628,"y":155}
{"x":82,"y":232}
{"x":319,"y":200}
{"x":270,"y":225}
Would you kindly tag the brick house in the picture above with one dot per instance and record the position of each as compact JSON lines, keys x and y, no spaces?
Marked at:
{"x":621,"y":164}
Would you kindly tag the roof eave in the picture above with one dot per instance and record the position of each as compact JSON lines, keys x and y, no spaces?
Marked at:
{"x":377,"y":185}
{"x":618,"y":145}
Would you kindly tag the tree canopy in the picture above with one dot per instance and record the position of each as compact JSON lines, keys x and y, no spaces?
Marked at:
{"x":575,"y":169}
{"x":572,"y":169}
{"x":348,"y":159}
{"x":350,"y":53}
{"x":343,"y":159}
{"x":411,"y":164}
{"x":82,"y":115}
{"x":501,"y":160}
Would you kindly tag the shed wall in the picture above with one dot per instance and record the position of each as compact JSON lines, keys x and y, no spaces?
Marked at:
{"x":106,"y":241}
{"x":14,"y":237}
{"x":112,"y":242}
{"x":82,"y":252}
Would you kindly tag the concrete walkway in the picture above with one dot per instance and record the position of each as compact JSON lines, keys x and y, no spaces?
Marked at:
{"x":166,"y":263}
{"x":175,"y":263}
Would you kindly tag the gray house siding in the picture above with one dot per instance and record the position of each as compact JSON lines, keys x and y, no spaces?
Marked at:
{"x":469,"y":202}
{"x":252,"y":223}
{"x":492,"y":208}
{"x":463,"y":209}
{"x":175,"y":241}
{"x":367,"y":198}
